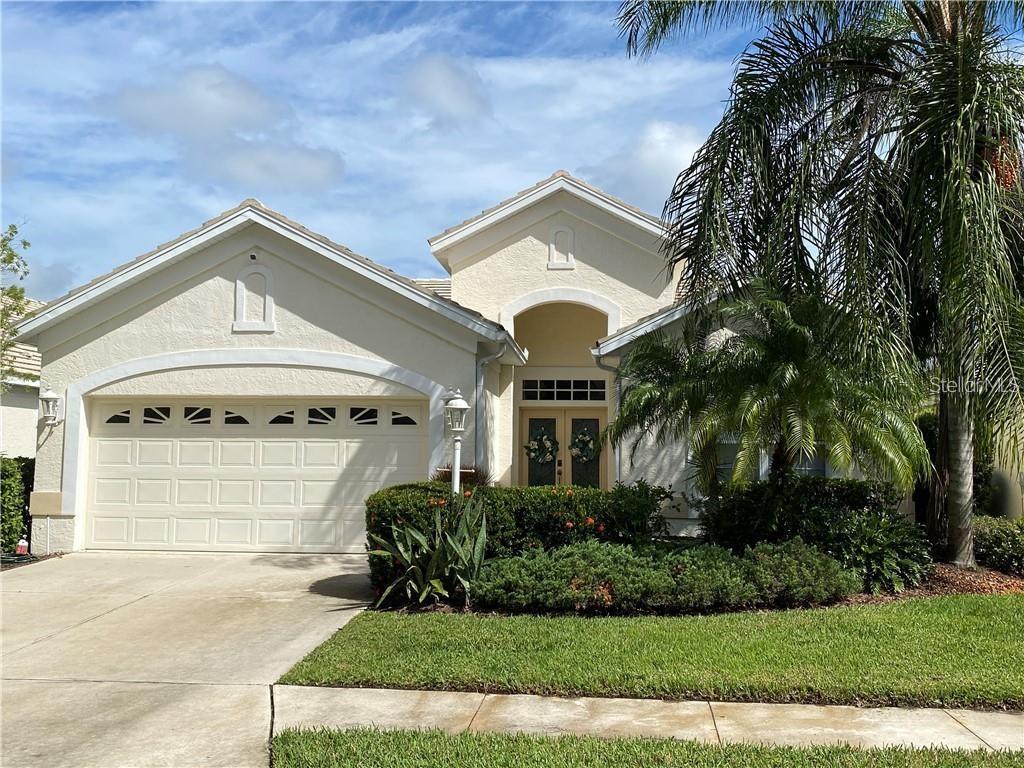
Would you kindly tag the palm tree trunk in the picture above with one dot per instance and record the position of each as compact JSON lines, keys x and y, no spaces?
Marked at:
{"x":780,"y":465}
{"x":938,"y":528}
{"x":960,"y":487}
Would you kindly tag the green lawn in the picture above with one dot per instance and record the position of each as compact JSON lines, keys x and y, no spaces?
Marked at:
{"x":410,"y":749}
{"x":955,"y":651}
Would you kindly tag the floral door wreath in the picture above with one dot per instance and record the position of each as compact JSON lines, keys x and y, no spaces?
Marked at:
{"x":584,"y":446}
{"x":542,"y":448}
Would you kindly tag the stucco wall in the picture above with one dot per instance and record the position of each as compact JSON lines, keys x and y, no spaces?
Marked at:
{"x":510,"y":260}
{"x":319,"y":306}
{"x":19,"y":417}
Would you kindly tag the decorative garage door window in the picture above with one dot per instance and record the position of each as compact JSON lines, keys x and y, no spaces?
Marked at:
{"x":234,"y":418}
{"x":564,"y":389}
{"x":399,"y":419}
{"x":282,"y":417}
{"x":324,"y":414}
{"x":121,"y":417}
{"x":197,"y":414}
{"x":363,"y":416}
{"x":156,"y":414}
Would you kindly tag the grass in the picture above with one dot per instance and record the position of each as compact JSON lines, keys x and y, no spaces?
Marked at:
{"x":433,"y":749}
{"x":963,"y":651}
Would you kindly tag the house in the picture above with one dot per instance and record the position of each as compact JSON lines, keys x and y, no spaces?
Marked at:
{"x":246,"y":385}
{"x":19,"y":398}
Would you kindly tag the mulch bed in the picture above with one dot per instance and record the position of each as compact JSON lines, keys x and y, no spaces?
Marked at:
{"x":8,"y":564}
{"x":946,"y":580}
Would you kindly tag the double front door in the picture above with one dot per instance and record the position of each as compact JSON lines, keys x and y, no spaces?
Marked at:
{"x":562,"y":446}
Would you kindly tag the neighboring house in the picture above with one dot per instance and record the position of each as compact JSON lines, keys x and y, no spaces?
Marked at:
{"x":19,"y":399}
{"x":247,"y":385}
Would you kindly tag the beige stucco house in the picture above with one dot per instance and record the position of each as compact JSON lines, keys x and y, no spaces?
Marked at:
{"x":247,"y":385}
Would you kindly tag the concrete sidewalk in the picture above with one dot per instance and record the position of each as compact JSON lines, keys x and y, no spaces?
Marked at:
{"x":713,"y":722}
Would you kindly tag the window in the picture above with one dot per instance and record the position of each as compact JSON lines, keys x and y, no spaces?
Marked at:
{"x":322,"y":415}
{"x":254,"y":300}
{"x":399,"y":419}
{"x":231,"y":418}
{"x":813,"y":467}
{"x":564,"y":389}
{"x":283,"y":417}
{"x":121,"y":417}
{"x":363,"y":416}
{"x":156,"y":414}
{"x":197,"y":414}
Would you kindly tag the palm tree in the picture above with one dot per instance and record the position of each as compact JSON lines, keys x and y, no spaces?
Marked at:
{"x":767,"y":372}
{"x":874,"y":148}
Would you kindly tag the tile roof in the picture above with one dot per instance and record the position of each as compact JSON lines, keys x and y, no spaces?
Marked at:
{"x":24,"y":358}
{"x":252,"y":203}
{"x":439,"y":285}
{"x":523,"y":193}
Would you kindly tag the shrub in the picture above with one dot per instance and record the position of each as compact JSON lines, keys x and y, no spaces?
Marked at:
{"x":604,"y":578}
{"x":439,"y":562}
{"x":856,"y":522}
{"x":470,"y":477}
{"x":15,"y":486}
{"x":519,"y":518}
{"x":795,"y":574}
{"x":999,"y":543}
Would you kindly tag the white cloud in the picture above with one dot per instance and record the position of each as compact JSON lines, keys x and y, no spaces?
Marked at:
{"x":450,"y":92}
{"x":644,"y":171}
{"x":378,"y":125}
{"x":200,"y":104}
{"x":230,"y":130}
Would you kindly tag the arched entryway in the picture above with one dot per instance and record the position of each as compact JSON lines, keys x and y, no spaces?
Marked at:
{"x":561,"y":397}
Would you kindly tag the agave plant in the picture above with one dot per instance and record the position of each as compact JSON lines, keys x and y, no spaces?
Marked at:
{"x":439,"y":563}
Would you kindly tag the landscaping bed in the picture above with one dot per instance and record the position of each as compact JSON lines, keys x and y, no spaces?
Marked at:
{"x":432,"y":749}
{"x":959,"y":651}
{"x":949,"y":580}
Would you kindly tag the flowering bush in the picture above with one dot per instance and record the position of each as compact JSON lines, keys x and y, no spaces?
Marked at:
{"x":521,"y":519}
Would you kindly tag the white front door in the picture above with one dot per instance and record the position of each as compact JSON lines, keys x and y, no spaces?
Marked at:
{"x":246,"y":475}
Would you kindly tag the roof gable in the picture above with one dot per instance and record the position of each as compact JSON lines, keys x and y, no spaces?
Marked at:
{"x":560,"y":181}
{"x":247,"y":213}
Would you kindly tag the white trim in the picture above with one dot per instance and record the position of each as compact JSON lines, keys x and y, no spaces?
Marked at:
{"x":222,"y":228}
{"x":556,"y":184}
{"x":629,"y":334}
{"x":76,"y":435}
{"x":553,"y":262}
{"x":266,"y":325}
{"x":555,"y":295}
{"x":18,"y":381}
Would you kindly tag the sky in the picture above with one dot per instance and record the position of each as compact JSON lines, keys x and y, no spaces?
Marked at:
{"x":377,"y":125}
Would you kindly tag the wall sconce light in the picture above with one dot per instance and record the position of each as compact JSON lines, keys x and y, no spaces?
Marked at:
{"x":51,"y":403}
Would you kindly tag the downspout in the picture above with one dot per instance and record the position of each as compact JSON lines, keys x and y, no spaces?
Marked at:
{"x":599,"y":361}
{"x":483,"y":362}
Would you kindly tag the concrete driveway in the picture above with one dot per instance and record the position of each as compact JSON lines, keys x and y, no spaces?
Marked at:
{"x":118,"y":659}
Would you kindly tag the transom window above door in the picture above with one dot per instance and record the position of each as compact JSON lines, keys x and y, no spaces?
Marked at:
{"x":564,"y":389}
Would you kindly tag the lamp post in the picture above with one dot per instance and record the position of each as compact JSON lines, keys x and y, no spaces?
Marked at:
{"x":455,"y":410}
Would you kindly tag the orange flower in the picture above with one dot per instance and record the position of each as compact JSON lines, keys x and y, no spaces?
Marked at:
{"x":467,"y":494}
{"x":568,"y":524}
{"x":590,"y":521}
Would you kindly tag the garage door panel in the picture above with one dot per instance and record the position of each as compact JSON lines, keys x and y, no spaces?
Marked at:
{"x":152,"y":530}
{"x":155,"y":453}
{"x":298,"y":484}
{"x":192,"y":531}
{"x":196,"y":453}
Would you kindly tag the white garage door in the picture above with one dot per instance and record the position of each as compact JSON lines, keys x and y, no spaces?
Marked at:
{"x":246,"y":475}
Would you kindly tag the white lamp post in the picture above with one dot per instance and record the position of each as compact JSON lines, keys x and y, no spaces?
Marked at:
{"x":50,"y":402}
{"x":455,"y":410}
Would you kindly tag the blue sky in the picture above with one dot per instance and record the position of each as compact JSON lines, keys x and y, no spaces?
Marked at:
{"x":378,"y":125}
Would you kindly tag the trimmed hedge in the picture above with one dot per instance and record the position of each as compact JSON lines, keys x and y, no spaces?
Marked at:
{"x":16,"y":475}
{"x":595,"y":577}
{"x":856,"y":522}
{"x":999,"y":543}
{"x":520,"y":518}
